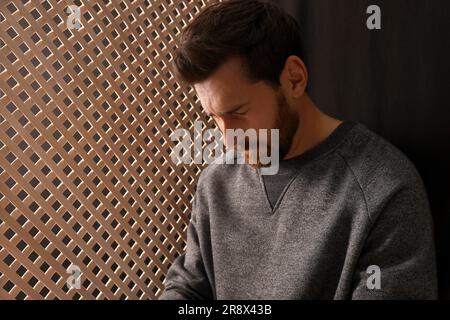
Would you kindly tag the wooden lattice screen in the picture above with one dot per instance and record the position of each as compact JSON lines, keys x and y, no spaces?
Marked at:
{"x":86,"y":179}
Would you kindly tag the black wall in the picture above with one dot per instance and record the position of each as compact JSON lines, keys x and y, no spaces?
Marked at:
{"x":395,"y":80}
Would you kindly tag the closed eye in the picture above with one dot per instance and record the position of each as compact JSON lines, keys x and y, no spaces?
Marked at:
{"x":229,"y":113}
{"x":240,"y":113}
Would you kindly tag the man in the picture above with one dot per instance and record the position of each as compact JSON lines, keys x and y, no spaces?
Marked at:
{"x":345,"y":217}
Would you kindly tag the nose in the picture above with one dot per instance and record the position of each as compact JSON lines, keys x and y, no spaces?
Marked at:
{"x":224,"y":124}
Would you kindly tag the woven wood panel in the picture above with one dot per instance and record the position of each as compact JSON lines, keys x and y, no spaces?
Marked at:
{"x":86,"y":178}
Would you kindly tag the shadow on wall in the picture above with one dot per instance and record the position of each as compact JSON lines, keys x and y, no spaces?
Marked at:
{"x":394,"y":80}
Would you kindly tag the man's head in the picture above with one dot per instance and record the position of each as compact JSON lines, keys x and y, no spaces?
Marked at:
{"x":244,"y":58}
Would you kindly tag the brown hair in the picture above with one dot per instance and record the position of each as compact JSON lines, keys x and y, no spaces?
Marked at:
{"x":258,"y":31}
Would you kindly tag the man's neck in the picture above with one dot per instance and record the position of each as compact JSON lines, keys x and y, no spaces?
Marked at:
{"x":315,"y":126}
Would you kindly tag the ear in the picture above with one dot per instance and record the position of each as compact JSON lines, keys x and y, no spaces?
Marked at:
{"x":294,"y":77}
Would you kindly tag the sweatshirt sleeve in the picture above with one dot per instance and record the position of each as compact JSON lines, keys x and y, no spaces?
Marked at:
{"x":399,"y":247}
{"x":186,"y":278}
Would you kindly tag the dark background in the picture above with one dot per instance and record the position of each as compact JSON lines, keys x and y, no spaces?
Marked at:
{"x":395,"y":80}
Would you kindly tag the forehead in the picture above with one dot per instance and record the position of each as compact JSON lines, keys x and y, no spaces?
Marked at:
{"x":228,"y":84}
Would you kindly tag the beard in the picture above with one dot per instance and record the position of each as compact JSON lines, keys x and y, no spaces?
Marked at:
{"x":287,"y":122}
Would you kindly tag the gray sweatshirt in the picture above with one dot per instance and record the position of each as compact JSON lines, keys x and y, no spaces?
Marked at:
{"x":352,"y":222}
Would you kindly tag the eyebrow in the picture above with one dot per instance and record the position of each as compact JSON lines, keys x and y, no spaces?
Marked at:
{"x":233,"y":109}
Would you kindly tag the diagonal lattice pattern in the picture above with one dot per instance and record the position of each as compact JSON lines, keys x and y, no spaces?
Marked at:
{"x":86,"y":178}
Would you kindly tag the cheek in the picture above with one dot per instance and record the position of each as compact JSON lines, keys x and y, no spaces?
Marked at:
{"x":264,"y":116}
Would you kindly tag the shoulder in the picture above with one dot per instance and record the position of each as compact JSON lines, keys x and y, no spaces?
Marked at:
{"x":370,"y":157}
{"x":223,"y":170}
{"x":380,"y":168}
{"x":220,"y":176}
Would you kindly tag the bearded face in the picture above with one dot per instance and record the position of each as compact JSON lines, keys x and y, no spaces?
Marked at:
{"x":237,"y":102}
{"x":287,"y":122}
